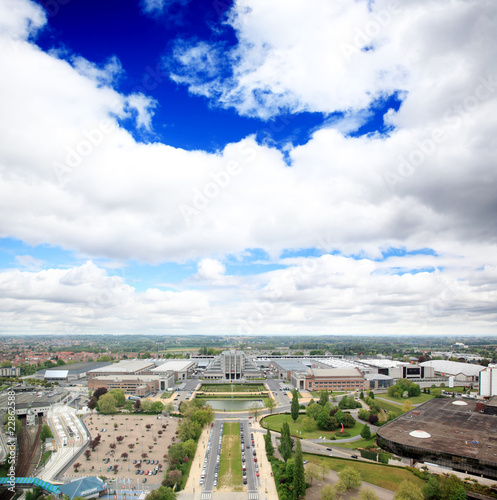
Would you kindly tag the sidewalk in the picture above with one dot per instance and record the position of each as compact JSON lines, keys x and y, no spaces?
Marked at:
{"x":267,"y":488}
{"x":193,"y":483}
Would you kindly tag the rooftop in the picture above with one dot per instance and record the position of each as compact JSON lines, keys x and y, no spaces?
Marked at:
{"x":128,"y":365}
{"x":176,"y":365}
{"x":454,"y":367}
{"x":454,"y":428}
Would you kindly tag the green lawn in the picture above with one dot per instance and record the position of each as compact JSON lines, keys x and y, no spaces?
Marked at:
{"x":166,"y":395}
{"x":230,"y":464}
{"x":232,"y":388}
{"x":380,"y":475}
{"x":274,"y":422}
{"x":400,"y":401}
{"x":354,"y":445}
{"x":388,"y":406}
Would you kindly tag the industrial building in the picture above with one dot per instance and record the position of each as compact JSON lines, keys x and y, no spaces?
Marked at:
{"x":181,"y":368}
{"x":463,"y":373}
{"x":72,"y":372}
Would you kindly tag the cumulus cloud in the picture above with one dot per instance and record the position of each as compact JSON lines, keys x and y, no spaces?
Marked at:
{"x":74,"y":178}
{"x":329,"y":294}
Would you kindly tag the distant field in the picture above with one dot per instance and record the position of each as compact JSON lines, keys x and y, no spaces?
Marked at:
{"x":380,"y":475}
{"x":232,"y":388}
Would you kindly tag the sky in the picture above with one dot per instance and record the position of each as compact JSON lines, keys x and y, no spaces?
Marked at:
{"x":293,"y":167}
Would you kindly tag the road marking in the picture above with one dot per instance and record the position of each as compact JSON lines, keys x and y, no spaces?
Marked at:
{"x":206,"y":496}
{"x":253,"y":495}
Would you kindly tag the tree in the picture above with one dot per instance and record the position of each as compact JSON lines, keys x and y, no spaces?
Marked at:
{"x":92,"y":404}
{"x":255,"y":410}
{"x":146,"y":405}
{"x":348,"y":421}
{"x":87,"y":454}
{"x":431,"y":490}
{"x":76,"y":466}
{"x":324,"y":397}
{"x":313,"y":410}
{"x":124,"y":455}
{"x":119,"y":396}
{"x":350,"y":478}
{"x":312,"y":472}
{"x":157,"y":407}
{"x":161,"y":493}
{"x":104,"y":358}
{"x":269,"y":443}
{"x":174,"y":478}
{"x":408,"y":491}
{"x":107,"y":404}
{"x":328,"y":492}
{"x":366,"y":432}
{"x":100,"y":391}
{"x":452,"y":488}
{"x":367,"y":494}
{"x":294,"y":409}
{"x":299,"y":474}
{"x":189,"y":447}
{"x":285,"y":447}
{"x":308,"y":424}
{"x":45,"y":432}
{"x":407,"y":406}
{"x":271,"y":404}
{"x":137,"y":406}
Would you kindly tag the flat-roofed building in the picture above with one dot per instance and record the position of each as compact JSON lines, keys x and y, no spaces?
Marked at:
{"x":462,"y":372}
{"x":181,"y":368}
{"x":136,"y":385}
{"x":125,"y":367}
{"x":451,"y":432}
{"x":331,"y":379}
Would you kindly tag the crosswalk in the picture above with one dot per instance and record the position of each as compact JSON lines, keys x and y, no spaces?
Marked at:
{"x":253,"y":495}
{"x":206,"y":495}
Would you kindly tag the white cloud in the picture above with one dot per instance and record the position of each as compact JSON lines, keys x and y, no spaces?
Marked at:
{"x":72,"y":177}
{"x":210,"y":269}
{"x":330,"y":294}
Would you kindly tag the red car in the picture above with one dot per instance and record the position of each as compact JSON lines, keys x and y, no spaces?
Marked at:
{"x":255,"y":459}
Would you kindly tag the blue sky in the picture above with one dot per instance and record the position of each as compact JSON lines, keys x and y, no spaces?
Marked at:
{"x":238,"y":167}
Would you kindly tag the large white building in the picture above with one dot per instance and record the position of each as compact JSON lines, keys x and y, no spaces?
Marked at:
{"x":463,"y":373}
{"x":488,"y":382}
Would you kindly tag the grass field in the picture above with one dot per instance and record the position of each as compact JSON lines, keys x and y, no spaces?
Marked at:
{"x":232,"y":388}
{"x":400,"y":401}
{"x":230,"y":464}
{"x":166,"y":395}
{"x":380,"y":475}
{"x":274,"y":422}
{"x":354,"y":445}
{"x":386,"y":405}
